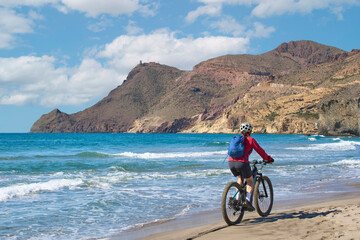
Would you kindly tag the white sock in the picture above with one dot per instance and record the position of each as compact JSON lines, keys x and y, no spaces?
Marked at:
{"x":248,"y":196}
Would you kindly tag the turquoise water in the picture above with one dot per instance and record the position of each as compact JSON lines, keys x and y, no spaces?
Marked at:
{"x":78,"y":186}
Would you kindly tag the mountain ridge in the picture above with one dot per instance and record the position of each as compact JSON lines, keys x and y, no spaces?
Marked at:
{"x":221,"y":92}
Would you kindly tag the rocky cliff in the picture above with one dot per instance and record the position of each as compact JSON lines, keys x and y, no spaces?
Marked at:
{"x":339,"y":113}
{"x":299,"y":87}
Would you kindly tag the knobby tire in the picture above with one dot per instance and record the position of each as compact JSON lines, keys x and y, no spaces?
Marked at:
{"x":263,"y":203}
{"x":232,"y":213}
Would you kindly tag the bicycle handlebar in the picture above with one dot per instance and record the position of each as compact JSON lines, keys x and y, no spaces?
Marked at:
{"x":255,"y":161}
{"x":263,"y":162}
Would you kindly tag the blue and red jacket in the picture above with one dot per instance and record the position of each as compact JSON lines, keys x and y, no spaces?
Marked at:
{"x":250,"y":144}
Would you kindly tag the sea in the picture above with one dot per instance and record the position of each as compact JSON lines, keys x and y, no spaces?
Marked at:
{"x":88,"y":186}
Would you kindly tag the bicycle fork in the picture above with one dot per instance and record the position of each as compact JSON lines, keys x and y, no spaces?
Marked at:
{"x":260,"y":178}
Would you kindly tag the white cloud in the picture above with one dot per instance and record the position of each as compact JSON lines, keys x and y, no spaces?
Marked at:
{"x":12,"y":24}
{"x":35,"y":16}
{"x":34,"y":3}
{"x":36,"y":80}
{"x":269,"y":8}
{"x":225,"y":24}
{"x":149,"y":9}
{"x":229,"y":25}
{"x":18,"y":99}
{"x":93,"y":8}
{"x":266,"y":8}
{"x":132,"y":29}
{"x":209,"y":9}
{"x":164,"y":47}
{"x":91,"y":80}
{"x":26,"y":69}
{"x":245,"y":2}
{"x":260,"y":30}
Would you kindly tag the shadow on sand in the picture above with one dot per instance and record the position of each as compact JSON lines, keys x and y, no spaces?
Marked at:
{"x":290,"y":215}
{"x":272,"y":218}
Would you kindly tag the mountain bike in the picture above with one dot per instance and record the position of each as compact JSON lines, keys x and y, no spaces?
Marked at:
{"x":233,"y":202}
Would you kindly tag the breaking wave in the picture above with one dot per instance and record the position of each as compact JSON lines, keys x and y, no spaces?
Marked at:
{"x":146,"y":155}
{"x":20,"y":190}
{"x":351,"y":163}
{"x":341,"y":145}
{"x":149,"y":155}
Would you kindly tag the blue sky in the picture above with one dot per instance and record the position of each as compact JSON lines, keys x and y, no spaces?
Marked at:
{"x":68,"y":54}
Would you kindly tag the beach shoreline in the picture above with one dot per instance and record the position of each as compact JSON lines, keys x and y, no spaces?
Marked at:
{"x":299,"y":215}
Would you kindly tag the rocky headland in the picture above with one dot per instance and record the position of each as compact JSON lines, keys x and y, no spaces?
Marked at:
{"x":300,"y":87}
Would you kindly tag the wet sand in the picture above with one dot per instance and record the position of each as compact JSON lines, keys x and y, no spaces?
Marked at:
{"x":338,"y":219}
{"x":317,"y":219}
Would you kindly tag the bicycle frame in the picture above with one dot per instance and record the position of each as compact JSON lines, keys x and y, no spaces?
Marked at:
{"x":257,"y":175}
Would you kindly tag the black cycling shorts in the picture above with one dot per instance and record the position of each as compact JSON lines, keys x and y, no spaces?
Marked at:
{"x":240,"y":168}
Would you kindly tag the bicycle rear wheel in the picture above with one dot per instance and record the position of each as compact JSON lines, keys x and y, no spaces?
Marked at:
{"x":231,"y":203}
{"x":263,"y":196}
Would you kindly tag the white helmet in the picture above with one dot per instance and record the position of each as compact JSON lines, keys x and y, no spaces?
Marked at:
{"x":246,"y":127}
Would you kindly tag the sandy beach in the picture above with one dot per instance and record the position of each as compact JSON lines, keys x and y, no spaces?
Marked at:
{"x":332,"y":219}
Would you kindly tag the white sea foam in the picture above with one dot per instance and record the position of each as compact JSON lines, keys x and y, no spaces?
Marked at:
{"x":353,"y":163}
{"x":336,"y":146}
{"x":20,"y":190}
{"x":189,"y":174}
{"x":184,"y":211}
{"x":106,"y":181}
{"x":149,"y":155}
{"x":116,"y":177}
{"x":318,"y":136}
{"x":315,"y":137}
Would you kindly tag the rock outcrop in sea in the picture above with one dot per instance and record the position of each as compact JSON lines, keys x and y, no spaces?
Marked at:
{"x":300,"y":87}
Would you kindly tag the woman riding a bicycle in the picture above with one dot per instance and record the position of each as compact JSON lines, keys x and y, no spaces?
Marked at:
{"x":240,"y":167}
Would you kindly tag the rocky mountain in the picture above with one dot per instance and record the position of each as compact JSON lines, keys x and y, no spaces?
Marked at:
{"x":300,"y":87}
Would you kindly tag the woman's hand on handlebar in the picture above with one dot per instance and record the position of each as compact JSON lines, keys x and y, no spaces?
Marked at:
{"x":270,"y":161}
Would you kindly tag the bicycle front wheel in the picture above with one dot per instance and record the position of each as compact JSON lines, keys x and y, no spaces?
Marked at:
{"x":231,"y":203}
{"x":263,"y":196}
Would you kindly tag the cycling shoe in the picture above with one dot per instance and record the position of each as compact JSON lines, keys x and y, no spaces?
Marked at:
{"x":249,"y":206}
